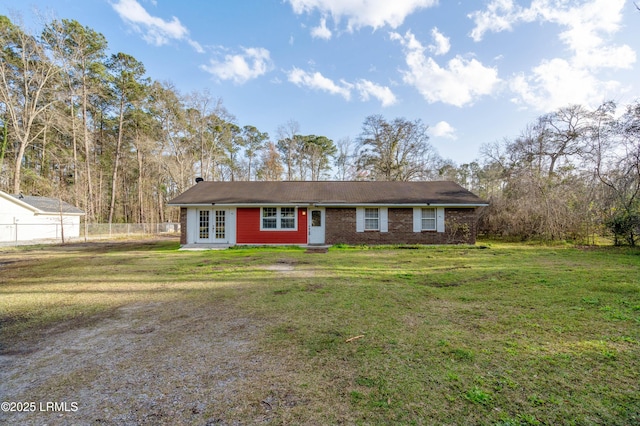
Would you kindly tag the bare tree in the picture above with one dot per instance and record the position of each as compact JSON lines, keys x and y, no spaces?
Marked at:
{"x":254,"y":143}
{"x":271,"y":166}
{"x":616,"y":154}
{"x":396,"y":150}
{"x":128,"y":89}
{"x":345,"y":169}
{"x":533,"y":182}
{"x":562,"y":134}
{"x":287,"y":142}
{"x":26,"y":75}
{"x":178,"y":155}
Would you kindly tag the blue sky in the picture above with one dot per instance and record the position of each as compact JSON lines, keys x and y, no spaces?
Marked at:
{"x":474,"y":71}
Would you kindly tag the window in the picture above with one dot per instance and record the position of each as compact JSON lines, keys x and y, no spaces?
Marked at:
{"x":287,"y":217}
{"x":220,"y":224}
{"x":428,"y":219}
{"x":371,"y":219}
{"x":204,"y":224}
{"x":316,"y":218}
{"x":274,"y":218}
{"x":269,"y":218}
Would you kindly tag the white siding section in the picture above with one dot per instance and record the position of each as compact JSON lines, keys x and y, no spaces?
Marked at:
{"x":417,"y":219}
{"x":231,"y":225}
{"x":384,"y":219}
{"x":192,"y":225}
{"x":440,"y":219}
{"x":360,"y":219}
{"x":18,"y":223}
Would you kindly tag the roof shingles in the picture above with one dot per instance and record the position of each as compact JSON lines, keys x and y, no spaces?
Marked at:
{"x":48,"y":205}
{"x":328,"y":193}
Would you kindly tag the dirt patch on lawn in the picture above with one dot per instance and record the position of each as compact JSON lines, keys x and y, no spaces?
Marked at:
{"x":179,"y":362}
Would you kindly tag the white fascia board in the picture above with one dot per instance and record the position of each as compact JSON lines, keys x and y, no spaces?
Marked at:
{"x":56,"y":214}
{"x":459,"y":205}
{"x":20,"y":202}
{"x":305,"y":204}
{"x":35,"y":210}
{"x":400,"y":205}
{"x":256,"y":205}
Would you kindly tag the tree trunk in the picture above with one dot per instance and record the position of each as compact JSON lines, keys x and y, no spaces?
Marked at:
{"x":18,"y":166}
{"x":140,"y":194}
{"x":114,"y":177}
{"x":74,"y":137}
{"x":90,"y":210}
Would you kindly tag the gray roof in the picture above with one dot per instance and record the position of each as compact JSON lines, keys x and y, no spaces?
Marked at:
{"x":48,"y":205}
{"x":328,"y":193}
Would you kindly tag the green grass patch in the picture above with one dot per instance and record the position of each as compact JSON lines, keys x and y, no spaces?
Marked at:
{"x":507,"y":334}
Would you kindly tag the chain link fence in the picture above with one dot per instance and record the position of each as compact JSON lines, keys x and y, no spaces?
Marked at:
{"x":24,"y":234}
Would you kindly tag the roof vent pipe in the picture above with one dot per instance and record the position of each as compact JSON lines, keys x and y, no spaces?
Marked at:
{"x":199,"y":179}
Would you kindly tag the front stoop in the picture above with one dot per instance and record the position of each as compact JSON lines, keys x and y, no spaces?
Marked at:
{"x":196,"y":247}
{"x":311,"y":248}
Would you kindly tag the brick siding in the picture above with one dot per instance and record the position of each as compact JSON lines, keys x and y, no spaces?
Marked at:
{"x":183,"y":225}
{"x":460,"y":228}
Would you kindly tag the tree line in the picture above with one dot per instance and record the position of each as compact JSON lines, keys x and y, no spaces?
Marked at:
{"x":91,"y":128}
{"x":573,"y":174}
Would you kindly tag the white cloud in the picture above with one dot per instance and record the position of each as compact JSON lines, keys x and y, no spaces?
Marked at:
{"x":442,"y":44}
{"x":382,"y":93}
{"x":196,"y":46}
{"x":317,"y":81}
{"x":240,"y":68}
{"x":586,"y":28}
{"x":154,"y":30}
{"x":321,"y":31}
{"x":557,"y":83}
{"x":366,"y":88}
{"x":500,"y":15}
{"x":363,"y":13}
{"x":460,"y":83}
{"x":443,"y":130}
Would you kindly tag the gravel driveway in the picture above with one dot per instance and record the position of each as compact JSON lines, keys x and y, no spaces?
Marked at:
{"x":156,"y":363}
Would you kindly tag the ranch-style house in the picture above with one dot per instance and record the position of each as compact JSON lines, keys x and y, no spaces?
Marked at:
{"x":326,"y":212}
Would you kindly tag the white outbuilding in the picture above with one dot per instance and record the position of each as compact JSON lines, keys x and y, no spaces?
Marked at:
{"x":27,"y":218}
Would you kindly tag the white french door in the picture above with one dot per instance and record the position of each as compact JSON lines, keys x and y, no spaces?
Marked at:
{"x":212,"y":226}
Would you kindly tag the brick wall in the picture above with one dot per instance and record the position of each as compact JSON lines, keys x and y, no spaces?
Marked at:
{"x":460,"y":228}
{"x":183,"y":225}
{"x":461,"y":225}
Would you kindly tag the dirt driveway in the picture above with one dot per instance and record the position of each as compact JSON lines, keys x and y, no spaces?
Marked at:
{"x":156,"y":363}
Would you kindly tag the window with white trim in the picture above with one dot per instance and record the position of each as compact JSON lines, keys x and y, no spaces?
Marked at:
{"x":429,"y":219}
{"x":269,"y":218}
{"x":278,"y":218}
{"x":371,"y":219}
{"x":287,"y":217}
{"x":204,"y":224}
{"x":220,"y":224}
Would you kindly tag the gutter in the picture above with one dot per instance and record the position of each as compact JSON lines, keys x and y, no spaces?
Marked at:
{"x":311,"y":204}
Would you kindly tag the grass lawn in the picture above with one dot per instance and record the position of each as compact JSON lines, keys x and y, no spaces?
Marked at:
{"x":509,"y":334}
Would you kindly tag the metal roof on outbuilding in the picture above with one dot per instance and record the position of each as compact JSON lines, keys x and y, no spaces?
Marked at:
{"x":48,"y":205}
{"x":328,"y":193}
